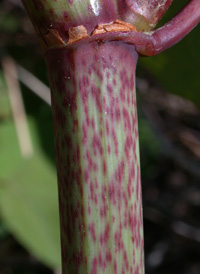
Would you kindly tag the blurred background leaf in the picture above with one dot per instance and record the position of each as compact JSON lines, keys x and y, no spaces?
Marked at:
{"x":178,"y":68}
{"x":28,"y":189}
{"x":29,"y":207}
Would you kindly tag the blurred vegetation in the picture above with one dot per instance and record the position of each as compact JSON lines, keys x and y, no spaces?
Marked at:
{"x":177,"y":69}
{"x":29,"y":230}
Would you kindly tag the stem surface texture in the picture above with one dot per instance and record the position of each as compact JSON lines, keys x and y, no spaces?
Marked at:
{"x":96,"y":138}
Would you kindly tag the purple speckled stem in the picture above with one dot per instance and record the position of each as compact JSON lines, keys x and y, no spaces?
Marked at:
{"x":95,"y":123}
{"x":96,"y":137}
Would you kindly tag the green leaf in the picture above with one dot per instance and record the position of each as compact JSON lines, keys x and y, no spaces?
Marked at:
{"x":10,"y":157}
{"x":28,"y":188}
{"x":29,"y":206}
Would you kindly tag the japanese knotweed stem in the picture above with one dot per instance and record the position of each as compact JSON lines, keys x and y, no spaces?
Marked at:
{"x":92,"y":79}
{"x":97,"y":150}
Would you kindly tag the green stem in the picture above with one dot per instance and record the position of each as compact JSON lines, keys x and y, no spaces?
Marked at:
{"x":95,"y":122}
{"x":96,"y":136}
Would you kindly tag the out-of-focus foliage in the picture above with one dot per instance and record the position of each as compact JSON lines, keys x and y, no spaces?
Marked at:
{"x":178,"y":68}
{"x":28,"y":186}
{"x":28,"y":189}
{"x":28,"y":200}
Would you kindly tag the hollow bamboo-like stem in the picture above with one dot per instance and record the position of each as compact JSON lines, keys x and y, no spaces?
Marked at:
{"x":96,"y":137}
{"x":95,"y":122}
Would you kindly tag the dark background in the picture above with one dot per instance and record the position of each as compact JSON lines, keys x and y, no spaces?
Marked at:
{"x":168,"y":90}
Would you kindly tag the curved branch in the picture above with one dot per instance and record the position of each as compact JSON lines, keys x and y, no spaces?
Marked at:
{"x":173,"y":31}
{"x":154,"y":42}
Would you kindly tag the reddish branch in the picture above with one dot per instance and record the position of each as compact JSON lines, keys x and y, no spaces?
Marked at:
{"x":95,"y":121}
{"x":155,"y":42}
{"x":147,"y":43}
{"x":174,"y":30}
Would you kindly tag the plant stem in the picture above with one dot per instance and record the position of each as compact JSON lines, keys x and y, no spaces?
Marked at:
{"x":95,"y":121}
{"x":96,"y":137}
{"x":154,"y":42}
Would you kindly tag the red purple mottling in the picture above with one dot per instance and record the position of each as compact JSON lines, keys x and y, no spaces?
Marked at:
{"x":96,"y":139}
